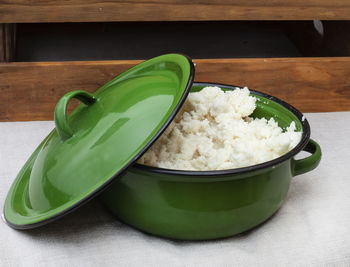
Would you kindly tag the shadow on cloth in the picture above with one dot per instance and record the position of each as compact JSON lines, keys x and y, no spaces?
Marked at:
{"x":94,"y":218}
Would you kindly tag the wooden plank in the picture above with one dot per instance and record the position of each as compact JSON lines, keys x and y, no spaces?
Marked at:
{"x":29,"y":91}
{"x":7,"y":42}
{"x":16,"y":11}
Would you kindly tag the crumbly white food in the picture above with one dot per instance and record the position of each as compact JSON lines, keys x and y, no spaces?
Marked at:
{"x":213,"y":132}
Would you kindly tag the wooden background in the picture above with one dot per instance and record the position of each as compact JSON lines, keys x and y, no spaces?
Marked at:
{"x":30,"y":90}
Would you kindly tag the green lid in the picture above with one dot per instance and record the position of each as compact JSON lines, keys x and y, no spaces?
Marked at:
{"x":94,"y":144}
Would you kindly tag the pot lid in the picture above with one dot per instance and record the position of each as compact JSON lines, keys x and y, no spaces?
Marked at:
{"x":99,"y":139}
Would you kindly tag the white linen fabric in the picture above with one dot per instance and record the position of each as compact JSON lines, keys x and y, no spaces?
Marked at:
{"x":312,"y":228}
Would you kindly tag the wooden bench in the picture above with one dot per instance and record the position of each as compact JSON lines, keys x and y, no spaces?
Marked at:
{"x":29,"y":90}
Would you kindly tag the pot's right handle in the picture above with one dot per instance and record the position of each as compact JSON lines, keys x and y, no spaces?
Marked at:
{"x":301,"y":166}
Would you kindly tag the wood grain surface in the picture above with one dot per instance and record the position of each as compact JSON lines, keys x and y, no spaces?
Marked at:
{"x":29,"y":91}
{"x":7,"y":42}
{"x":16,"y":11}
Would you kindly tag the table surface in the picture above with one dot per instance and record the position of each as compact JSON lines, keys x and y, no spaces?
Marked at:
{"x":312,"y":228}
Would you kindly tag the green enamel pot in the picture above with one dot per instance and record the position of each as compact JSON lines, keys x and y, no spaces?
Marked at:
{"x":201,"y":205}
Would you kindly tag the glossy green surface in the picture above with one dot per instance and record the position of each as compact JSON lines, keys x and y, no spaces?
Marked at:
{"x":301,"y":166}
{"x":97,"y":140}
{"x":61,"y":121}
{"x":200,"y":207}
{"x":197,"y":207}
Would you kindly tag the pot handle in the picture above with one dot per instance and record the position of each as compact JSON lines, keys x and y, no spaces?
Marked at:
{"x":301,"y":166}
{"x":61,"y":122}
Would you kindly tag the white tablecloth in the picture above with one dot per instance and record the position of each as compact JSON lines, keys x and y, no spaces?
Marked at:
{"x":311,"y":229}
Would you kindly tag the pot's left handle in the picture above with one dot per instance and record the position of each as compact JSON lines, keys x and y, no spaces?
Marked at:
{"x":61,"y":122}
{"x":309,"y":163}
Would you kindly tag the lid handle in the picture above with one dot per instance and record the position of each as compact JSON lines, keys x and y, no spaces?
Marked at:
{"x":62,"y":127}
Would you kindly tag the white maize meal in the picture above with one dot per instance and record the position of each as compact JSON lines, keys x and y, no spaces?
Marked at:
{"x":213,"y":131}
